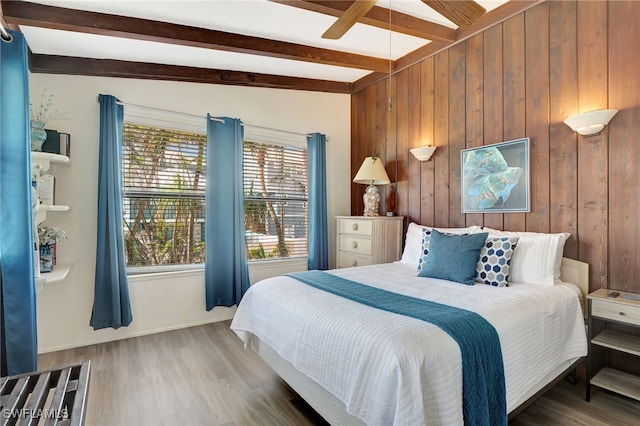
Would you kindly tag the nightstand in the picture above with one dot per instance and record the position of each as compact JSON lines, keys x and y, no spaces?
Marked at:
{"x":623,"y":309}
{"x":363,"y":240}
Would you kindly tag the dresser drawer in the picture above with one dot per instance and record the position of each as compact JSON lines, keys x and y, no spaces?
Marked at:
{"x":615,"y":311}
{"x":347,"y":260}
{"x":367,"y":240}
{"x":355,"y":244}
{"x":355,"y":226}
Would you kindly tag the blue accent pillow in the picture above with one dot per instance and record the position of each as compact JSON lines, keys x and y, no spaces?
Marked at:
{"x":495,"y":260}
{"x":453,"y":257}
{"x":426,"y":238}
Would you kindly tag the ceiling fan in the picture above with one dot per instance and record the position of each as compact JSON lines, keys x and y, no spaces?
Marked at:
{"x":461,"y":12}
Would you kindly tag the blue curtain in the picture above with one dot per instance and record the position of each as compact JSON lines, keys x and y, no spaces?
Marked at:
{"x":226,"y":273}
{"x":17,"y":282}
{"x":318,"y":227}
{"x":111,"y":307}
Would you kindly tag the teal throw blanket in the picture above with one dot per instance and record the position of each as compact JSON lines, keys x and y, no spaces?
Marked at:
{"x":483,"y":386}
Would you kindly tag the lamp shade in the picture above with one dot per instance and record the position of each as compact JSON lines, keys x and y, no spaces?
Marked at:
{"x":372,"y":172}
{"x":423,"y":153}
{"x":590,"y":123}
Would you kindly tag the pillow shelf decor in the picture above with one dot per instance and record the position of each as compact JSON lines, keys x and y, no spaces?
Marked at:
{"x":453,"y":257}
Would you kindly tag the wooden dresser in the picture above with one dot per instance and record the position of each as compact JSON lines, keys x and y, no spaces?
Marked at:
{"x":365,"y":240}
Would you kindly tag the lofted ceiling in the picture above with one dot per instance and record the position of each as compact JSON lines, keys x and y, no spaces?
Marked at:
{"x":244,"y":42}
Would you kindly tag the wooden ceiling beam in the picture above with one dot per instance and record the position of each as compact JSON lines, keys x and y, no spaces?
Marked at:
{"x":51,"y":64}
{"x":379,"y":17}
{"x":497,"y":15}
{"x":461,"y":12}
{"x":38,"y":15}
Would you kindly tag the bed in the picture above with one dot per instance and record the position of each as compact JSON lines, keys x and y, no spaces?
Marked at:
{"x":355,"y":364}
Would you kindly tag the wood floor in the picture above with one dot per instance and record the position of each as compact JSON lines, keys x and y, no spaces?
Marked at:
{"x":203,"y":376}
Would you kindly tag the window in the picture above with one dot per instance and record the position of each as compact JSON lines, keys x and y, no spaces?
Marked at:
{"x":275,"y":193}
{"x":164,"y":195}
{"x":164,"y":181}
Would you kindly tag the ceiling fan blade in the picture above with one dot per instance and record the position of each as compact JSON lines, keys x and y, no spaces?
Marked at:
{"x":462,"y":13}
{"x":357,"y":10}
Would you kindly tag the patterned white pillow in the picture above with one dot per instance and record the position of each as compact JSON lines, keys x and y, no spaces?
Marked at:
{"x":424,"y":247}
{"x":494,"y":261}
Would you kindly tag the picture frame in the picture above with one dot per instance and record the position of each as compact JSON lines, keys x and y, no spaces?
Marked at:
{"x":495,"y":178}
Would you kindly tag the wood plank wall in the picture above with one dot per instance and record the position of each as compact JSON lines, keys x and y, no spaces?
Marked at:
{"x":522,"y":78}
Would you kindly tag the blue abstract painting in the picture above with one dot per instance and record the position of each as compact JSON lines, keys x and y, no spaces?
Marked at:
{"x":495,"y":178}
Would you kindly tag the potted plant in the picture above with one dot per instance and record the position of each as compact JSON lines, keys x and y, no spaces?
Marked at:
{"x":48,"y":237}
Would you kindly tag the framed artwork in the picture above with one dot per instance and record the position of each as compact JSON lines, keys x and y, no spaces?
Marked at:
{"x":495,"y":178}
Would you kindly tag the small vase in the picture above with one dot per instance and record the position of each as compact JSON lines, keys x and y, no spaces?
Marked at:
{"x":38,"y":135}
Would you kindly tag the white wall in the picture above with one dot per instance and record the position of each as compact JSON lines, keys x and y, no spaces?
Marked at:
{"x":174,"y":300}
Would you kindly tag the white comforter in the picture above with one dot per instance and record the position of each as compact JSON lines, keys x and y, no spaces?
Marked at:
{"x":391,"y":369}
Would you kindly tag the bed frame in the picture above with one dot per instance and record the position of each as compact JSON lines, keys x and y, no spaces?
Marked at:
{"x":334,"y":411}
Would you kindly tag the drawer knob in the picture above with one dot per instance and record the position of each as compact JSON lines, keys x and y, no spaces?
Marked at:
{"x":621,"y":313}
{"x":354,"y":262}
{"x":354,"y":244}
{"x":354,"y":226}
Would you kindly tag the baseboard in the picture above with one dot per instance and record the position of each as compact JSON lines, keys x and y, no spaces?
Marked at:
{"x":106,"y":339}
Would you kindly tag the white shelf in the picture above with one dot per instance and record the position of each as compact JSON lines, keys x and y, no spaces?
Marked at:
{"x":45,"y":159}
{"x":54,"y":208}
{"x":41,"y":214}
{"x":59,"y":273}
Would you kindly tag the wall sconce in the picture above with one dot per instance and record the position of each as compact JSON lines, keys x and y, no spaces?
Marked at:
{"x":371,"y":172}
{"x":590,"y":123}
{"x":423,"y":153}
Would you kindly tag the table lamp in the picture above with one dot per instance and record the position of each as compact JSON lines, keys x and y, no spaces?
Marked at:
{"x":371,"y":172}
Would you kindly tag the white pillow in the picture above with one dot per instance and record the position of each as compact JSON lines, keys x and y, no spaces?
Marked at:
{"x":412,"y":244}
{"x":413,"y":240}
{"x":537,"y":257}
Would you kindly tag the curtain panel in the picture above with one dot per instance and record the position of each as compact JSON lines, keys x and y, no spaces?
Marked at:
{"x":226,"y":271}
{"x":318,"y":222}
{"x":17,"y":278}
{"x":111,"y":305}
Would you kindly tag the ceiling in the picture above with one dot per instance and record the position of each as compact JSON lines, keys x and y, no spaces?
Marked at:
{"x":243,"y":42}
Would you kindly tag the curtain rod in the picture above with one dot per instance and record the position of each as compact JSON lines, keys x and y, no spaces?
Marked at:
{"x":3,"y":29}
{"x":212,"y":118}
{"x":283,"y":131}
{"x":167,"y":110}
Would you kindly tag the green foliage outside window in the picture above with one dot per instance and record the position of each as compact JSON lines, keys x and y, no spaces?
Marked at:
{"x":164,"y":182}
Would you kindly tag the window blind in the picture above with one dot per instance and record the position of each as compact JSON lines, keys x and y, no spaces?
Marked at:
{"x":276,"y":202}
{"x":163,"y":189}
